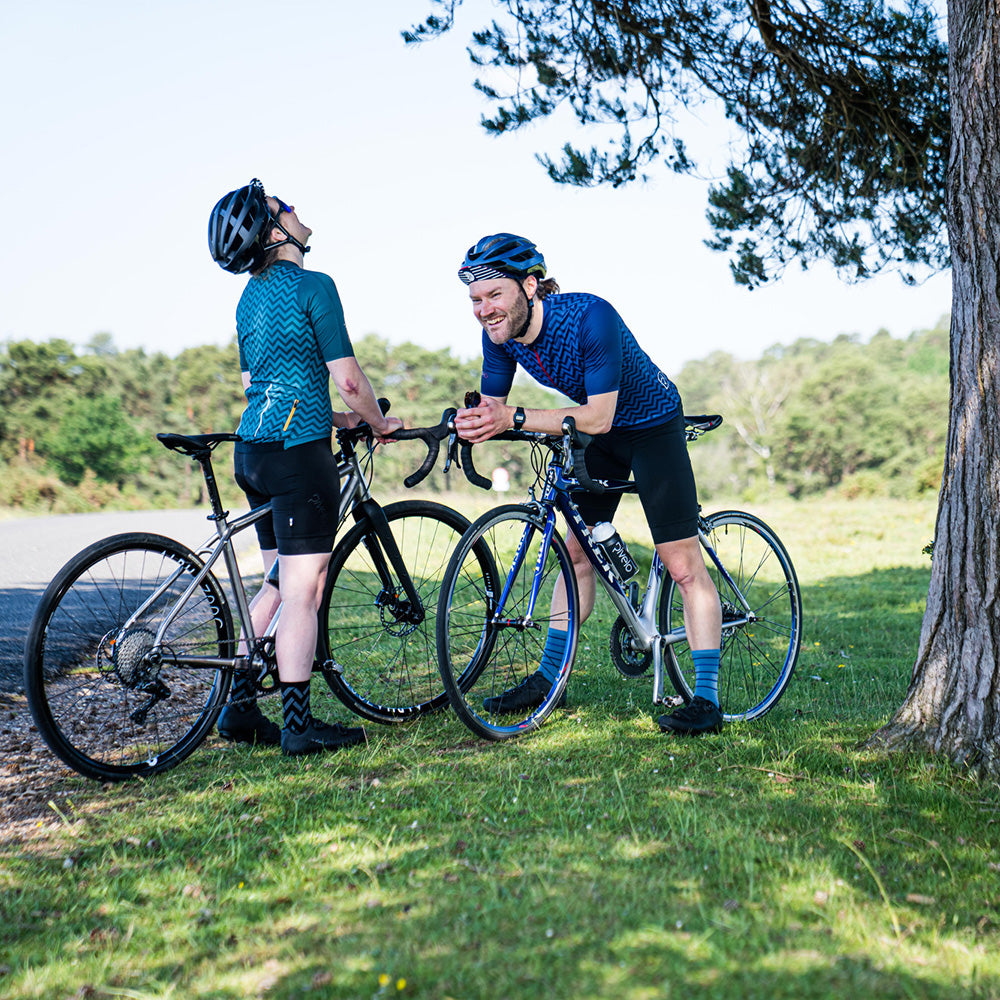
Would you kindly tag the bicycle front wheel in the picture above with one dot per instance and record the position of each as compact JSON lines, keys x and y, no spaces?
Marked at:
{"x":492,"y":627}
{"x":377,"y":648}
{"x":108,"y":701}
{"x":761,"y":617}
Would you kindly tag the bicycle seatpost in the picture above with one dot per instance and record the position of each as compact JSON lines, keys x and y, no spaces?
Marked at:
{"x":214,"y":499}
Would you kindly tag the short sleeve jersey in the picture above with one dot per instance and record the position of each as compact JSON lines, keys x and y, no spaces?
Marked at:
{"x":585,"y":349}
{"x":289,"y":324}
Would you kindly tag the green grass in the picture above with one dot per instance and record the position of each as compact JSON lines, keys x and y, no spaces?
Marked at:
{"x":596,"y":858}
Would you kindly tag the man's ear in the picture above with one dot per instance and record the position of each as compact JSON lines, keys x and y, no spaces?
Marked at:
{"x":530,"y":286}
{"x":274,"y":235}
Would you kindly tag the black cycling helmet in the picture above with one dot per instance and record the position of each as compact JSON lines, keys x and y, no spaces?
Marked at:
{"x":236,"y":226}
{"x":502,"y":255}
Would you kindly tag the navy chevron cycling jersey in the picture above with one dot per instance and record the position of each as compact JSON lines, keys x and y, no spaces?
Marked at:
{"x":583,"y":349}
{"x":289,"y":323}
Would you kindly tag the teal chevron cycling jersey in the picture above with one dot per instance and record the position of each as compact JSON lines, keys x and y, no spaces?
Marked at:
{"x":289,"y":324}
{"x":584,"y":349}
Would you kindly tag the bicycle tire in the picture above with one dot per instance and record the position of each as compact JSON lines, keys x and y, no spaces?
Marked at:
{"x":378,"y":658}
{"x":100,"y":703}
{"x":758,"y":658}
{"x":485,"y":647}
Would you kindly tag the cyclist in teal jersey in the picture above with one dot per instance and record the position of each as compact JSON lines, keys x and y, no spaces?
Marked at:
{"x":292,"y":341}
{"x":578,"y":344}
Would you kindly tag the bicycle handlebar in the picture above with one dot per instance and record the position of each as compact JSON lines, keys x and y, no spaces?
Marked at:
{"x":574,"y":444}
{"x":571,"y":441}
{"x":432,"y":437}
{"x":468,"y":467}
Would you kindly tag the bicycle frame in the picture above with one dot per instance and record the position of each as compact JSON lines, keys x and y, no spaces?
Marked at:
{"x":355,"y":492}
{"x":640,"y":622}
{"x":137,"y":640}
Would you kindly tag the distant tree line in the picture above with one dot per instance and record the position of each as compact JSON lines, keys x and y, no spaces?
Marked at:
{"x":858,"y":418}
{"x":78,"y":425}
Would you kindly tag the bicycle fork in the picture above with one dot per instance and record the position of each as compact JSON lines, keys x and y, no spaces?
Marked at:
{"x":392,"y":574}
{"x":527,"y":619}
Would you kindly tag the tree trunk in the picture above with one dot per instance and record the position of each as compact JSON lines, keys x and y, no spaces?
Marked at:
{"x":952,"y":706}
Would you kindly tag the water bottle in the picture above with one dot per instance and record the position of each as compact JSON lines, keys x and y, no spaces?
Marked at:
{"x":614,"y":549}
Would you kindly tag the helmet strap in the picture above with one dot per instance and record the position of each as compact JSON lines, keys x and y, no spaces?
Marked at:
{"x":527,"y":322}
{"x":288,"y":239}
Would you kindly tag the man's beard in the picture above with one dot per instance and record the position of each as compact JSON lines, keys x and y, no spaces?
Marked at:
{"x":517,"y":318}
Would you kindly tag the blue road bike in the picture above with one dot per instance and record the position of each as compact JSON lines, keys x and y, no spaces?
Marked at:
{"x":493,"y":617}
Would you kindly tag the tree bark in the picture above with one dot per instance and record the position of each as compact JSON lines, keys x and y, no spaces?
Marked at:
{"x":952,"y":706}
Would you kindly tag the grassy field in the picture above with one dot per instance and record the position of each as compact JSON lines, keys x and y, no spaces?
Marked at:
{"x":597,"y":858}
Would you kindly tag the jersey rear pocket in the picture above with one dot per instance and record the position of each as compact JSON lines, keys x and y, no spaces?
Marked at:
{"x":270,"y":411}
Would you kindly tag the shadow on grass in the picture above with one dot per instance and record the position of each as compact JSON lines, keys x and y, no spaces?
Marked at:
{"x":595,"y":859}
{"x":859,"y":644}
{"x":767,"y":861}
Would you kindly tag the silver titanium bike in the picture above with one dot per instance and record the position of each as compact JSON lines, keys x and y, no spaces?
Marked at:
{"x":133,"y":647}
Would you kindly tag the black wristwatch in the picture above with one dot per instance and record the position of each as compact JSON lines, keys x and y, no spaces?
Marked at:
{"x":519,"y":418}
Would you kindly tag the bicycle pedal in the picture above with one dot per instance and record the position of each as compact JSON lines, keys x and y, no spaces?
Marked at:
{"x":669,"y":701}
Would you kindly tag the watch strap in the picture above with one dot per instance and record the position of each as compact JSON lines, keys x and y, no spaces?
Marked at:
{"x":519,"y":418}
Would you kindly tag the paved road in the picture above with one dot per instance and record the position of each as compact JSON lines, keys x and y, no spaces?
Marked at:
{"x":33,"y":549}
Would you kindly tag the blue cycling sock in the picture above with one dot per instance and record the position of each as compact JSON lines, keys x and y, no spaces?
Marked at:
{"x":706,"y":674}
{"x":552,"y":656}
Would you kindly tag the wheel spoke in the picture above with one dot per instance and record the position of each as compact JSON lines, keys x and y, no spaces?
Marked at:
{"x":384,"y":650}
{"x":486,"y":650}
{"x":758,"y":657}
{"x":108,"y":701}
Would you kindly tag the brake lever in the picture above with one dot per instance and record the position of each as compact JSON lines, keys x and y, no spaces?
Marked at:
{"x":575,"y":444}
{"x":460,"y":451}
{"x":452,"y":443}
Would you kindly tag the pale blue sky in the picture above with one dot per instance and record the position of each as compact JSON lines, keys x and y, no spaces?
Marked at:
{"x":125,"y":120}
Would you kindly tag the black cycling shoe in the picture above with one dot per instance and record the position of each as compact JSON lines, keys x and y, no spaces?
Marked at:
{"x":248,"y":726}
{"x":320,"y":736}
{"x":530,"y":693}
{"x":698,"y":717}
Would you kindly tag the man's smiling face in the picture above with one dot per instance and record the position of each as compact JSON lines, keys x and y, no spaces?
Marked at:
{"x":501,"y":306}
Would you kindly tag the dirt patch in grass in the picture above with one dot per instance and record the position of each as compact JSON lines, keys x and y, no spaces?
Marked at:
{"x":30,"y":775}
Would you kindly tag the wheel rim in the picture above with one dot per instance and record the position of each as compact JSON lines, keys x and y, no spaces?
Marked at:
{"x":115,"y":704}
{"x":759,"y":649}
{"x":379,"y":649}
{"x":489,"y":651}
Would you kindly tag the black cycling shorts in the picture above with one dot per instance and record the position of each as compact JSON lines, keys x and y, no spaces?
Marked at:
{"x":657,"y":458}
{"x":303,"y":487}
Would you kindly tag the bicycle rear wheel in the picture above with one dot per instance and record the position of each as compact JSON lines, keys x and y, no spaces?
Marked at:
{"x":760,"y":646}
{"x":489,"y":637}
{"x":106,"y":702}
{"x":376,"y":649}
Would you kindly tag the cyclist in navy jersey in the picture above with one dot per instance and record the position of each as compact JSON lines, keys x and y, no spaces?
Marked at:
{"x":578,"y":344}
{"x":292,"y":340}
